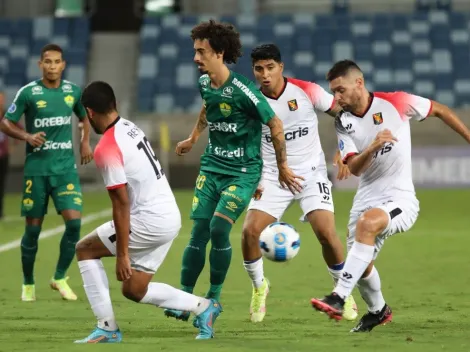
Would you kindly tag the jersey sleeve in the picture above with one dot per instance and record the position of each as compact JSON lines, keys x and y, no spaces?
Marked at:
{"x":78,"y":108}
{"x":418,"y":108}
{"x":346,"y":145}
{"x":257,"y":104}
{"x":319,"y":97}
{"x":18,"y":106}
{"x":109,"y":160}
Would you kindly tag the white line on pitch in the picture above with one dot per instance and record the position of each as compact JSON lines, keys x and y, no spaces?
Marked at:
{"x":57,"y":230}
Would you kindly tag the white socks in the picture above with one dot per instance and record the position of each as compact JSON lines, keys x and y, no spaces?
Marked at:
{"x":255,"y":271}
{"x":357,"y":261}
{"x":95,"y":283}
{"x":370,"y":289}
{"x":166,"y":296}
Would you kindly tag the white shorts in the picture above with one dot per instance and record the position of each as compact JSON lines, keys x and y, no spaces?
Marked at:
{"x":402,"y":215}
{"x":146,"y":252}
{"x":316,"y":194}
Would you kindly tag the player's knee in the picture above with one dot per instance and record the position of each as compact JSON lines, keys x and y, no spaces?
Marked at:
{"x":220,"y":232}
{"x":370,"y":224}
{"x":200,"y":234}
{"x":31,"y":235}
{"x":72,"y":229}
{"x":132,"y":291}
{"x":251,"y":232}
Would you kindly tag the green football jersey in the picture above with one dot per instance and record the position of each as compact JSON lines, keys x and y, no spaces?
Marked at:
{"x":50,"y":111}
{"x":235,"y":114}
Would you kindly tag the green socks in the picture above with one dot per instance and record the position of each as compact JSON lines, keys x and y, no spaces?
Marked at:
{"x":194,"y":255}
{"x":29,"y":248}
{"x":67,"y":247}
{"x":220,"y":255}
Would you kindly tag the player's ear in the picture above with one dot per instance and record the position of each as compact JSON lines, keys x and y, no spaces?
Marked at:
{"x":281,"y":65}
{"x":89,"y":113}
{"x":360,"y":82}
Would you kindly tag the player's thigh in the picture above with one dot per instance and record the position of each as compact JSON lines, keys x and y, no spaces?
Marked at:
{"x":274,"y":200}
{"x":316,"y":195}
{"x":206,"y":196}
{"x":35,"y":197}
{"x":66,"y":193}
{"x":236,"y":193}
{"x":93,"y":246}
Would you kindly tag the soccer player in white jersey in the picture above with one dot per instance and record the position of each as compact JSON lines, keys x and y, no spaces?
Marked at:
{"x":146,"y":219}
{"x":295,"y":102}
{"x":374,"y":140}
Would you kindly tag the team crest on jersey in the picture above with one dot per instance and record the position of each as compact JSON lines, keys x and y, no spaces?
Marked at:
{"x":292,"y":104}
{"x":41,"y":104}
{"x":69,"y":100}
{"x":225,"y":109}
{"x":378,"y":119}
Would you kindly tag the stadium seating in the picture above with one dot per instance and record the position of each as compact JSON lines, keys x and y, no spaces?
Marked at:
{"x":427,"y":53}
{"x":21,"y":42}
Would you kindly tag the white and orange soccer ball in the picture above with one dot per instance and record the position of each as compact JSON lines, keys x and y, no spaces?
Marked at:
{"x":279,"y":242}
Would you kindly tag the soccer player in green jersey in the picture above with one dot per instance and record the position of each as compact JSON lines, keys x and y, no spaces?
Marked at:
{"x":50,"y":168}
{"x":234,"y":110}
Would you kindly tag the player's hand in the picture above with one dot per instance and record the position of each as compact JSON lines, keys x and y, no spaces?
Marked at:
{"x":184,"y":147}
{"x":86,"y":153}
{"x":123,"y":268}
{"x":288,"y":179}
{"x":37,"y":139}
{"x":258,"y":192}
{"x":343,"y":169}
{"x":382,"y":138}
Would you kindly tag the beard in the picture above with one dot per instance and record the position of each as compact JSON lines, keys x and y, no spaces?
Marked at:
{"x":92,"y":123}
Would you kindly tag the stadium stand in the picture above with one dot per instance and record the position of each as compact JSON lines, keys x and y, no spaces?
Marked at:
{"x":426,"y":52}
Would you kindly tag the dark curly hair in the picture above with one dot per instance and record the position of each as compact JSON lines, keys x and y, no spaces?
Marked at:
{"x":222,"y":37}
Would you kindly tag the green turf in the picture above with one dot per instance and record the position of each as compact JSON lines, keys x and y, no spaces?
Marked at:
{"x":424,"y":274}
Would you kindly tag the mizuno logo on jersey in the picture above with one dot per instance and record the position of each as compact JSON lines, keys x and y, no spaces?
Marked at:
{"x":291,"y":135}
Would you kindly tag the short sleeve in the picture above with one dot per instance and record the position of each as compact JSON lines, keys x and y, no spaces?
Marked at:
{"x":109,"y":160}
{"x":18,"y":106}
{"x":346,"y":145}
{"x":320,"y":98}
{"x":78,"y":108}
{"x":409,"y":106}
{"x":418,"y":107}
{"x":257,"y":104}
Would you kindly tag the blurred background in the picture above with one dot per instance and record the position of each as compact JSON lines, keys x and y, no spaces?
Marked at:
{"x":143,"y":49}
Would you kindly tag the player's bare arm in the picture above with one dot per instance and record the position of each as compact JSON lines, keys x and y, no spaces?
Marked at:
{"x":185,"y":146}
{"x":450,"y":118}
{"x":86,"y":153}
{"x":12,"y":130}
{"x":360,"y":162}
{"x":286,"y":177}
{"x":121,"y":217}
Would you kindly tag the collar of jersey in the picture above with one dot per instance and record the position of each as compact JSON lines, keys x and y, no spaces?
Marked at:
{"x":368,"y":106}
{"x":111,"y":125}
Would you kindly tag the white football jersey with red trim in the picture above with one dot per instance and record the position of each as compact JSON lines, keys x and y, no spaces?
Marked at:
{"x":389,"y":175}
{"x":125,"y":157}
{"x":296,"y":108}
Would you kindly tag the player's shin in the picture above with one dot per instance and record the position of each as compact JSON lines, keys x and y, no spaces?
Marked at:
{"x":220,"y":254}
{"x":194,"y":255}
{"x":67,"y":247}
{"x":357,"y":261}
{"x":166,"y":296}
{"x":29,"y":248}
{"x":95,"y":283}
{"x":253,"y":260}
{"x":371,"y":291}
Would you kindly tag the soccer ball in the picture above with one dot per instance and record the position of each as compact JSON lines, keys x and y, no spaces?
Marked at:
{"x":279,"y":242}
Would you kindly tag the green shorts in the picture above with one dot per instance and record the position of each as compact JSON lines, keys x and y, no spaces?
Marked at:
{"x":64,"y":189}
{"x":225,"y":194}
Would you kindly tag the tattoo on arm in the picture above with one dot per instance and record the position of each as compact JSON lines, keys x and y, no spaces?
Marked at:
{"x":201,"y":122}
{"x":278,"y":139}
